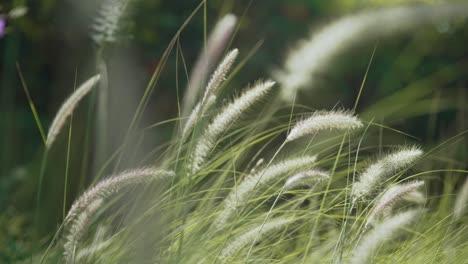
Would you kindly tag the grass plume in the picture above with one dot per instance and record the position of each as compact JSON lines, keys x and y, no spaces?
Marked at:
{"x":67,"y":108}
{"x":257,"y":232}
{"x":224,"y":119}
{"x":381,"y":233}
{"x":461,"y":201}
{"x":217,"y":41}
{"x":323,"y":120}
{"x":388,"y":165}
{"x":312,"y":55}
{"x":112,"y":185}
{"x":390,"y":197}
{"x":241,"y":193}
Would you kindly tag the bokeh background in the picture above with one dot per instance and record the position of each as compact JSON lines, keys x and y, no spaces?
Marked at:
{"x":53,"y":48}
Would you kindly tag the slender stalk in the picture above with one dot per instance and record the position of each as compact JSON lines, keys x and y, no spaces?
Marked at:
{"x":31,"y":105}
{"x":67,"y":165}
{"x":102,"y":112}
{"x":39,"y":186}
{"x":46,"y":252}
{"x":89,"y":124}
{"x":67,"y":169}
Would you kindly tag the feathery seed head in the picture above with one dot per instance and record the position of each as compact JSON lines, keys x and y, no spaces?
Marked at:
{"x":243,"y":240}
{"x":324,"y":120}
{"x":197,"y":113}
{"x":223,"y":29}
{"x":220,"y":73}
{"x":112,"y":185}
{"x":209,"y":98}
{"x":402,"y":158}
{"x":106,"y":24}
{"x":416,"y":197}
{"x":216,"y":44}
{"x":307,"y":178}
{"x":384,"y":167}
{"x":83,"y":209}
{"x":223,"y":121}
{"x":381,"y":233}
{"x":86,"y":254}
{"x":262,"y":177}
{"x":98,"y":244}
{"x":191,"y":120}
{"x":67,"y":108}
{"x":390,"y":197}
{"x":312,"y":55}
{"x":78,"y":229}
{"x":461,"y":201}
{"x":257,"y":165}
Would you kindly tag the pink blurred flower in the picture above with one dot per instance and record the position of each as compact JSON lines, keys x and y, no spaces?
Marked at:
{"x":2,"y":25}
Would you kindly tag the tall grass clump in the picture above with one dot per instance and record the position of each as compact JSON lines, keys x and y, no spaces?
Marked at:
{"x":247,"y":183}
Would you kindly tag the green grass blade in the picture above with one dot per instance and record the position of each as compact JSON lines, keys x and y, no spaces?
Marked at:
{"x":31,"y":104}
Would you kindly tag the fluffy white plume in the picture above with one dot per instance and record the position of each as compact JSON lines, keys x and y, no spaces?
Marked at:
{"x":255,"y":233}
{"x":113,"y":185}
{"x":241,"y":193}
{"x":67,"y":109}
{"x":17,"y":12}
{"x":216,"y":43}
{"x":314,"y":54}
{"x":307,"y":178}
{"x":224,"y":120}
{"x":324,"y":120}
{"x":390,"y":197}
{"x":197,"y":113}
{"x":78,"y":229}
{"x":98,"y":244}
{"x":209,"y":97}
{"x":106,"y":23}
{"x":220,"y":73}
{"x":381,"y":233}
{"x":462,"y":200}
{"x":415,"y":197}
{"x":386,"y":166}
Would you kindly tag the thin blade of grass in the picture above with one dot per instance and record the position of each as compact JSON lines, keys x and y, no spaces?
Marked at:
{"x":31,"y":104}
{"x":365,"y":77}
